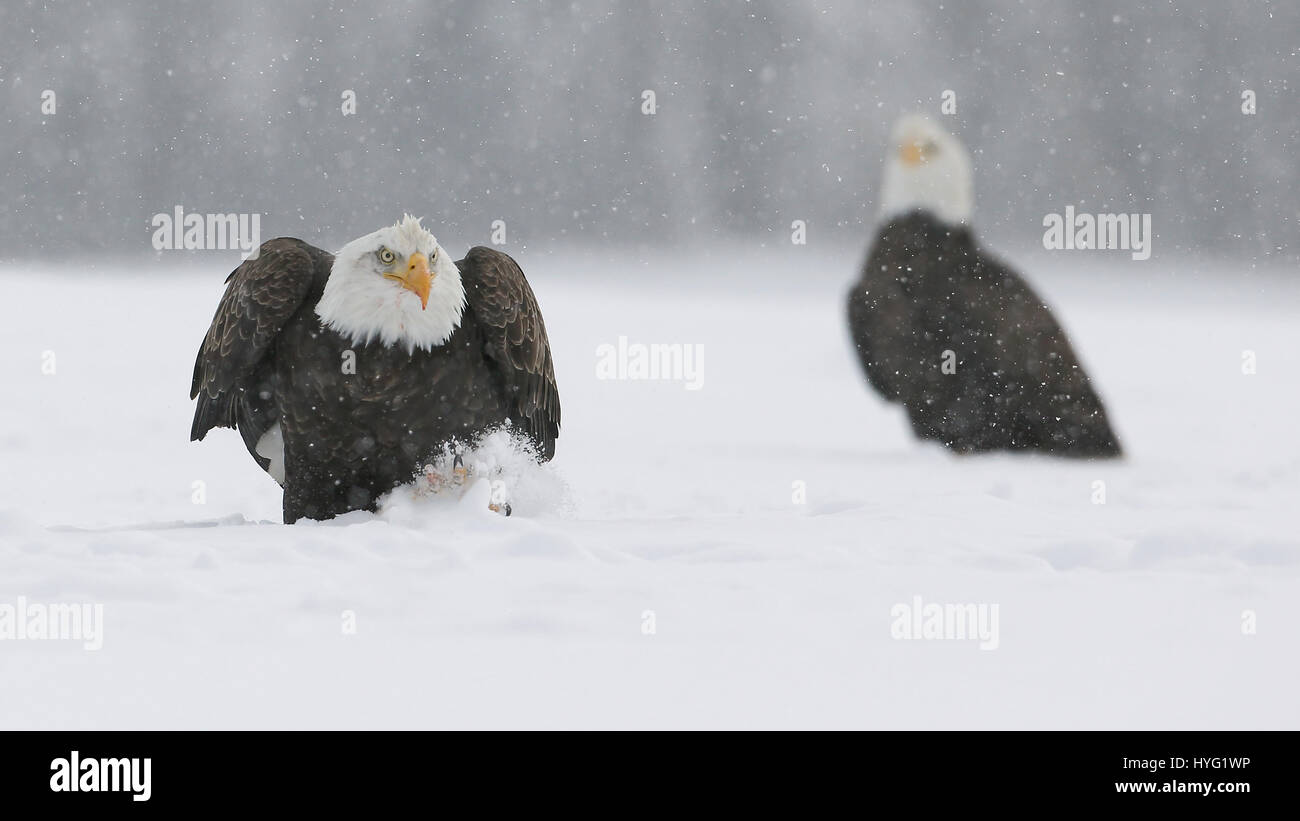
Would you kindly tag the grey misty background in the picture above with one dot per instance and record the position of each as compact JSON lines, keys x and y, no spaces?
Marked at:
{"x":767,"y":112}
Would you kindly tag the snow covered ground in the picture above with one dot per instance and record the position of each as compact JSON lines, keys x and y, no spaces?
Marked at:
{"x":670,"y":508}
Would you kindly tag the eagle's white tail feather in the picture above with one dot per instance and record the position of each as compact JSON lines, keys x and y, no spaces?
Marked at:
{"x":271,"y":446}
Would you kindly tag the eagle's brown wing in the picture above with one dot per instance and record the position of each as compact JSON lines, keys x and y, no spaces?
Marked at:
{"x":1046,"y":399}
{"x":504,"y":305}
{"x":261,"y":296}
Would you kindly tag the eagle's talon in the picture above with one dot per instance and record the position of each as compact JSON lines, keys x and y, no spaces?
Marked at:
{"x":433,"y":480}
{"x":459,"y":473}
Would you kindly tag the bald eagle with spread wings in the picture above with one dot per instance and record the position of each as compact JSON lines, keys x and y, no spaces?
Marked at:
{"x":343,"y":373}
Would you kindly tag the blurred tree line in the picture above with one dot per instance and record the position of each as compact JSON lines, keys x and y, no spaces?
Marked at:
{"x":532,"y":113}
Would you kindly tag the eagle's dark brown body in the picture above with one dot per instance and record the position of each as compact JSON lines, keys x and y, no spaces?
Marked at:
{"x":926,"y":289}
{"x":359,"y":420}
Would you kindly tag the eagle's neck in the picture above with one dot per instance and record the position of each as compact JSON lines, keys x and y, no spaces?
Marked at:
{"x":366,"y":308}
{"x":943,"y":189}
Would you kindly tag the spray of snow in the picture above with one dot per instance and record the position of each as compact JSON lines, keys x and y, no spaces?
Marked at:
{"x":502,"y":467}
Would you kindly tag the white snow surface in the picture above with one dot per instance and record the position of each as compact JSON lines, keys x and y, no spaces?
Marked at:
{"x":766,"y":613}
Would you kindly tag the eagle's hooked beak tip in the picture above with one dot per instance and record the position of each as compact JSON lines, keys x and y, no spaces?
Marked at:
{"x":418,"y":278}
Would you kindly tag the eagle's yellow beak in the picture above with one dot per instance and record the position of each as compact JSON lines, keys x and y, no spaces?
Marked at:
{"x":910,"y":153}
{"x":417,"y":278}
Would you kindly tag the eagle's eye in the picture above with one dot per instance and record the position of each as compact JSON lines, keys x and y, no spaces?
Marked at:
{"x":386,"y":256}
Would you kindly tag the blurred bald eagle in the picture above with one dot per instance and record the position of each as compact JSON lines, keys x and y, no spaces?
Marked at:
{"x":956,"y":336}
{"x":344,"y":372}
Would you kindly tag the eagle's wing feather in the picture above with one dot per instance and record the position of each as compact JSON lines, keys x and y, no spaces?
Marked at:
{"x":1053,"y":403}
{"x":882,"y":307}
{"x":261,"y":296}
{"x":505,"y":307}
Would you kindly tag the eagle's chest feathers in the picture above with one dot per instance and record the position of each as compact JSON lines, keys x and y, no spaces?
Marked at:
{"x":352,"y":403}
{"x":363,"y":379}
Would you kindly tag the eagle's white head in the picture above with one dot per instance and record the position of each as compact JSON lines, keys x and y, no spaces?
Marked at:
{"x":397,"y":286}
{"x":927,"y":168}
